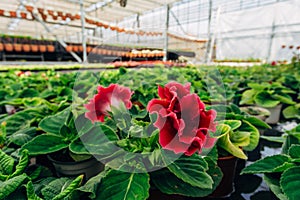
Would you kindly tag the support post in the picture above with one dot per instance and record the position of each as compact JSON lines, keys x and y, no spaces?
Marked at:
{"x":166,"y":33}
{"x":208,"y":43}
{"x":138,"y":26}
{"x":271,"y":42}
{"x":83,"y":31}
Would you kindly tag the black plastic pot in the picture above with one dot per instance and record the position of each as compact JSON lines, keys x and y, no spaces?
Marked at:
{"x":89,"y":167}
{"x":226,"y":186}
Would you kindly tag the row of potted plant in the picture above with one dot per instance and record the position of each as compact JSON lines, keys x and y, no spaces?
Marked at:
{"x":145,"y":139}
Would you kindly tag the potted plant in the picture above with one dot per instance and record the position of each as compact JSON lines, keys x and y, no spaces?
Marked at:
{"x":238,"y":133}
{"x":270,"y":96}
{"x":59,"y":143}
{"x":281,"y":171}
{"x":258,"y":112}
{"x":141,"y":149}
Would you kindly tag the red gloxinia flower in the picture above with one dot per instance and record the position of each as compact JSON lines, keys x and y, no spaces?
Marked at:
{"x":101,"y":103}
{"x":182,"y":119}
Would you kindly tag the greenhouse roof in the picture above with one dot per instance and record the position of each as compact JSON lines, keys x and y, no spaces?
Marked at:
{"x":17,"y":16}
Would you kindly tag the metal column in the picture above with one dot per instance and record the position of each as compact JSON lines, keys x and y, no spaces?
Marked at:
{"x":271,"y":41}
{"x":208,"y":43}
{"x":83,"y":32}
{"x":166,"y":33}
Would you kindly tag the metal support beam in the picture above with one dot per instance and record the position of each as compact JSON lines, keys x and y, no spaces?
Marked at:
{"x":178,"y":23}
{"x":208,"y":43}
{"x":49,"y":31}
{"x":212,"y":42}
{"x":166,"y":33}
{"x":83,"y":31}
{"x":271,"y":41}
{"x":138,"y":26}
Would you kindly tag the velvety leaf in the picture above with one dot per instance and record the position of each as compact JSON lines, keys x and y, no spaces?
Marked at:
{"x":240,"y":138}
{"x":53,"y":188}
{"x":44,"y":144}
{"x":284,"y":167}
{"x":291,"y":112}
{"x":266,"y":165}
{"x":284,"y":99}
{"x":234,"y":124}
{"x":290,"y":181}
{"x":257,"y":86}
{"x":257,"y":122}
{"x":99,"y":140}
{"x":70,"y":188}
{"x":31,"y":195}
{"x":225,"y":143}
{"x":168,"y":183}
{"x":92,"y":184}
{"x":222,"y":129}
{"x":254,"y":135}
{"x":9,"y":186}
{"x":248,"y":97}
{"x":6,"y":163}
{"x":274,"y":186}
{"x":53,"y":123}
{"x":294,"y":151}
{"x":192,"y":170}
{"x":273,"y":138}
{"x":118,"y":185}
{"x":32,"y":102}
{"x":22,"y":136}
{"x":22,"y":119}
{"x":265,"y":99}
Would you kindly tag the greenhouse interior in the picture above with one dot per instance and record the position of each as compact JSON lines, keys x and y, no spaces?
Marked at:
{"x":150,"y":99}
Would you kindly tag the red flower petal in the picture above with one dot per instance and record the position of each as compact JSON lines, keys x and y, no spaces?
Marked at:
{"x":101,"y":103}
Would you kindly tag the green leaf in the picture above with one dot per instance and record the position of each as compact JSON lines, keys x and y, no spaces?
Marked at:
{"x":254,"y":135}
{"x":274,"y":186}
{"x":23,"y":163}
{"x":266,"y":165}
{"x":6,"y":163}
{"x":284,"y":167}
{"x":31,"y":195}
{"x":44,"y":144}
{"x":265,"y":99}
{"x":234,"y":124}
{"x":53,"y":188}
{"x":92,"y":184}
{"x":225,"y":143}
{"x":192,"y":170}
{"x":294,"y":151}
{"x":71,"y":187}
{"x":100,"y":134}
{"x":23,"y":119}
{"x":291,"y":112}
{"x":257,"y":86}
{"x":53,"y":123}
{"x":22,"y":136}
{"x":248,"y":97}
{"x":273,"y":138}
{"x":32,"y":102}
{"x":117,"y":185}
{"x":284,"y":99}
{"x":168,"y":183}
{"x":9,"y":186}
{"x":257,"y":122}
{"x":222,"y":129}
{"x":290,"y":181}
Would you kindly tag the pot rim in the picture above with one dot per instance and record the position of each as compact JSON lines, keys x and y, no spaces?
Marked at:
{"x":70,"y":162}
